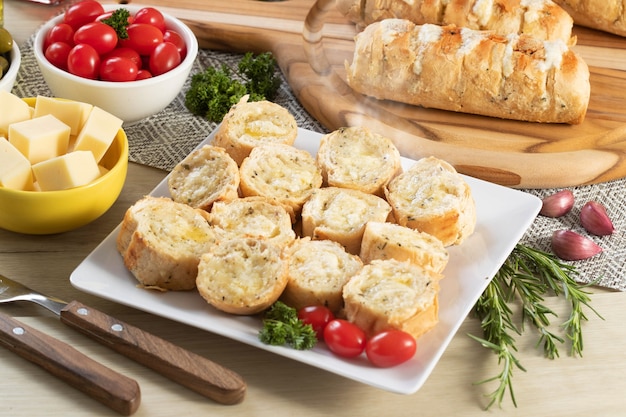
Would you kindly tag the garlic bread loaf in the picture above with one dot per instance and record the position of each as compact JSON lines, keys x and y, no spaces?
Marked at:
{"x":541,"y":19}
{"x":384,"y":240}
{"x":340,"y":214}
{"x":251,"y":123}
{"x":356,"y":157}
{"x":161,"y":242}
{"x":281,"y":173}
{"x":605,"y":15}
{"x":391,"y":294}
{"x":205,"y":176}
{"x":242,"y":275}
{"x":433,"y":198}
{"x":464,"y":70}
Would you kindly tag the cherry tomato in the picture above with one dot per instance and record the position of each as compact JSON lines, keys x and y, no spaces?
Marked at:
{"x":61,"y":32}
{"x":316,"y":316}
{"x":176,"y":39}
{"x":151,"y":16}
{"x":142,"y":37}
{"x":118,"y":69}
{"x":390,"y":348}
{"x":82,"y":13}
{"x":143,"y":74}
{"x":101,"y":36}
{"x":163,"y":58}
{"x":57,"y":54}
{"x":83,"y":61}
{"x":344,"y":338}
{"x":127,"y":53}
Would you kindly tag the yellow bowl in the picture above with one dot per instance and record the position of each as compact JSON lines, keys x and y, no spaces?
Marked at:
{"x":48,"y":212}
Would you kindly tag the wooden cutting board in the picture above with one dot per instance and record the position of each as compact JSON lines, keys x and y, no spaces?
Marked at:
{"x":311,"y":41}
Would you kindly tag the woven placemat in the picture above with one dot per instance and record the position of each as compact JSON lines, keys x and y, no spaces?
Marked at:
{"x":165,"y":138}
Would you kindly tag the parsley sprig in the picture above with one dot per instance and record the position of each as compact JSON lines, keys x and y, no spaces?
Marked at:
{"x":119,"y":21}
{"x":526,"y":277}
{"x":281,"y":326}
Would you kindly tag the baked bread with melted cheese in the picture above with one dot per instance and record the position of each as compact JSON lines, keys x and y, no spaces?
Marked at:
{"x":161,"y":241}
{"x":356,"y":157}
{"x":318,"y":270}
{"x":384,"y":240}
{"x":242,"y":275}
{"x":391,"y":294}
{"x":463,"y":70}
{"x":206,"y":175}
{"x":340,"y":214}
{"x":281,"y":173}
{"x":604,"y":15}
{"x":433,"y":198}
{"x":251,"y":123}
{"x":255,"y":217}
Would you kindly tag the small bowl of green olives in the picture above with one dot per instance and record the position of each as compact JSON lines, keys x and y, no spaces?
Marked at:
{"x":9,"y":60}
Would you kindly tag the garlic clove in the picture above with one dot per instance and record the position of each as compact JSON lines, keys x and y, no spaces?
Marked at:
{"x":571,"y":246}
{"x":557,"y":204}
{"x":595,"y":220}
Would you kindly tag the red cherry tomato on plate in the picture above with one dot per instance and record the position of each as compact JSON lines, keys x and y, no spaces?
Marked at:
{"x":127,"y":53}
{"x":118,"y":69}
{"x":101,"y":36}
{"x":317,"y":316}
{"x":143,"y":75}
{"x":57,"y":54}
{"x":83,"y":61}
{"x":142,"y":37}
{"x":163,"y":58}
{"x":151,"y":16}
{"x":390,"y":348}
{"x":82,"y":13}
{"x":176,"y":39}
{"x":61,"y":32}
{"x":344,"y":338}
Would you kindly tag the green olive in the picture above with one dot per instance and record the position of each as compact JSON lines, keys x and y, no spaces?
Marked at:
{"x":6,"y":41}
{"x":4,"y":65}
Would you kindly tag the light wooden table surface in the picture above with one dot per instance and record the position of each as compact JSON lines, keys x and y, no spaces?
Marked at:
{"x":592,"y":385}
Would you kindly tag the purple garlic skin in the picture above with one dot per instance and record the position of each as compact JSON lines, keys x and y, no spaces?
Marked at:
{"x":557,"y":204}
{"x":571,"y":246}
{"x":595,"y":220}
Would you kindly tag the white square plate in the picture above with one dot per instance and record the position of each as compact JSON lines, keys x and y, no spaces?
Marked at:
{"x":503,"y":215}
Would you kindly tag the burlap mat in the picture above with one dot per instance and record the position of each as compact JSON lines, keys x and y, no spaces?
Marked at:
{"x":164,"y":139}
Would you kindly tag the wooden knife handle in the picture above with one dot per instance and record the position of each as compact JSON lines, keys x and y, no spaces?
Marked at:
{"x":180,"y":365}
{"x":111,"y":388}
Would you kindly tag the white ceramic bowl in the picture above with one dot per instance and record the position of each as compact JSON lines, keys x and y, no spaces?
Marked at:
{"x":130,"y":101}
{"x":7,"y":82}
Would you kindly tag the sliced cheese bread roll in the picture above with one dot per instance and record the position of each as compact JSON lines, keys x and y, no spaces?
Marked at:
{"x":477,"y":72}
{"x":392,"y":241}
{"x":541,"y":19}
{"x":206,"y":175}
{"x":242,"y":275}
{"x":161,"y":242}
{"x":254,"y":217}
{"x":281,"y":173}
{"x":391,"y":294}
{"x":355,"y":157}
{"x":249,"y":124}
{"x":433,"y":198}
{"x":318,"y":270}
{"x":340,"y":214}
{"x":605,"y":15}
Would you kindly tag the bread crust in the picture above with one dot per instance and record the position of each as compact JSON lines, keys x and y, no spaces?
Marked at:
{"x":161,"y":242}
{"x":541,"y":19}
{"x":605,"y":15}
{"x":433,"y":198}
{"x":477,"y":72}
{"x":358,"y":158}
{"x":249,"y":124}
{"x":205,"y":176}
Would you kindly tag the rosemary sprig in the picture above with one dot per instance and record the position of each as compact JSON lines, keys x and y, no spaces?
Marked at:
{"x":526,"y":277}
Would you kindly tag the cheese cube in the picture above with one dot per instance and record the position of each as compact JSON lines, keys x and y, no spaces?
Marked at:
{"x":72,"y":113}
{"x":12,"y":109}
{"x":98,"y":132}
{"x":66,"y":171}
{"x":40,"y":138}
{"x":15,"y":172}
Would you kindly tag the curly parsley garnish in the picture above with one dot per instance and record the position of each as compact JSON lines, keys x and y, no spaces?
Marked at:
{"x":119,"y":21}
{"x":281,"y":326}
